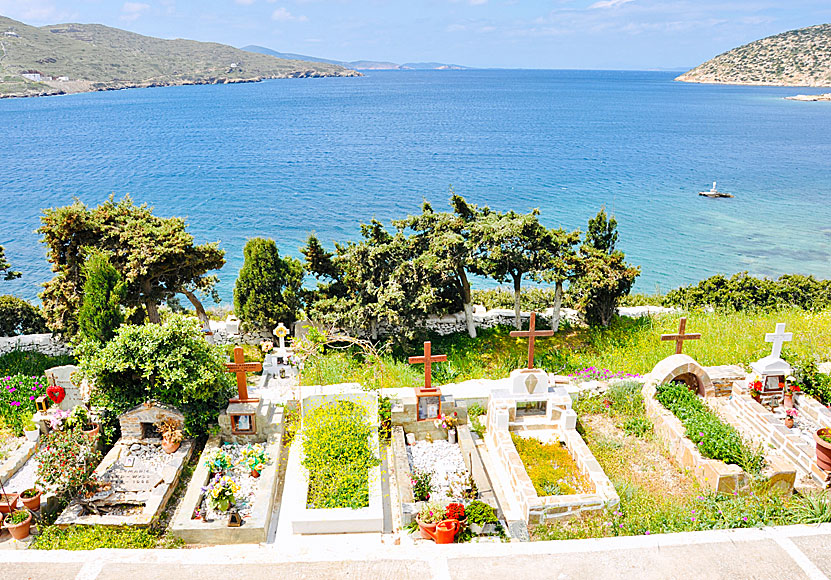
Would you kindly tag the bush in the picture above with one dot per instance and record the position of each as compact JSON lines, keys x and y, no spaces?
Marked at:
{"x":18,"y":317}
{"x":171,"y":363}
{"x":714,"y":438}
{"x":268,"y":288}
{"x":478,"y":512}
{"x":744,"y":292}
{"x":17,"y":400}
{"x":66,"y":460}
{"x":95,"y":537}
{"x":338,"y":455}
{"x":30,"y":362}
{"x":104,"y":291}
{"x":812,"y":382}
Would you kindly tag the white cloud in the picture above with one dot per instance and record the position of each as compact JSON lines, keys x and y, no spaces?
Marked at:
{"x":131,"y":11}
{"x":283,"y":15}
{"x":609,"y":4}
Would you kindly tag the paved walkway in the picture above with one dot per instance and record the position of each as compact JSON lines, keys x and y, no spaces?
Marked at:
{"x":792,"y":552}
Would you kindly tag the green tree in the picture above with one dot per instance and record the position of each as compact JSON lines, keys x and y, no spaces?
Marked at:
{"x":6,"y":272}
{"x":104,"y":291}
{"x":442,"y":243}
{"x":171,"y":363}
{"x":19,"y":317}
{"x":267,"y":290}
{"x":511,"y":245}
{"x":156,"y":257}
{"x":560,"y":267}
{"x":602,"y":277}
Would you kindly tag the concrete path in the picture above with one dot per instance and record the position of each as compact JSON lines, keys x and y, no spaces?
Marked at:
{"x":792,"y":552}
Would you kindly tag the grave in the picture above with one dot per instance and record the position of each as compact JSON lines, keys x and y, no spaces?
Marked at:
{"x":247,"y":421}
{"x":278,"y":362}
{"x":136,"y":476}
{"x":534,"y":408}
{"x":711,"y":474}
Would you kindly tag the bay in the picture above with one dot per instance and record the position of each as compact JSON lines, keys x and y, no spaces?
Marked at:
{"x":285,"y":158}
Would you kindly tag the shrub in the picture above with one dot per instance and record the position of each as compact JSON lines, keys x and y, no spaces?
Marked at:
{"x":422,"y":485}
{"x":338,"y":455}
{"x":18,"y":317}
{"x":714,"y":438}
{"x":104,"y":291}
{"x":478,"y":512}
{"x":17,"y":400}
{"x":171,"y":363}
{"x":812,"y":382}
{"x":474,"y":414}
{"x":66,"y":460}
{"x":30,"y":362}
{"x":268,"y":287}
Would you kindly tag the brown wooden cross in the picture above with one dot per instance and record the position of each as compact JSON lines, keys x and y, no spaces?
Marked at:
{"x":532,"y":335}
{"x":681,"y":337}
{"x":428,"y":359}
{"x":240,"y":367}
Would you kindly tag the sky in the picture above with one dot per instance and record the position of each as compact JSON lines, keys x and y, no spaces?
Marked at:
{"x":553,"y":34}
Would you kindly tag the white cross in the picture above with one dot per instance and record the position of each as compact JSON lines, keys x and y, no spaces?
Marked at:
{"x":777,"y":338}
{"x":281,"y":332}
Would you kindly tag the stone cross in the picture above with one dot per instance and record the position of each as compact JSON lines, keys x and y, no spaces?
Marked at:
{"x":681,"y":337}
{"x":427,"y":359}
{"x":281,"y":332}
{"x":777,"y":338}
{"x":240,"y":367}
{"x":532,"y":335}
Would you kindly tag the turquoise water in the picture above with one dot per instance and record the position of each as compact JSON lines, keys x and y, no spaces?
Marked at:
{"x":288,"y":157}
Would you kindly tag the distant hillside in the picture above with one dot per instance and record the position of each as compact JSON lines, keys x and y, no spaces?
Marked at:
{"x":358,"y":64}
{"x":90,"y":57}
{"x":795,"y":58}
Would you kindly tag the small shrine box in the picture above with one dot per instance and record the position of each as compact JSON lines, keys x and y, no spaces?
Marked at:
{"x":773,"y":371}
{"x":428,"y":403}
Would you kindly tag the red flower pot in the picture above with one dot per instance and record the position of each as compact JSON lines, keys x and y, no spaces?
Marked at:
{"x":823,"y":450}
{"x":428,"y":531}
{"x":170,"y":446}
{"x":92,"y":434}
{"x":21,"y":530}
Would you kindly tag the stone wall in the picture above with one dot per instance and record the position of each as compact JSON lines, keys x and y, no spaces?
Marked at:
{"x":43,"y":343}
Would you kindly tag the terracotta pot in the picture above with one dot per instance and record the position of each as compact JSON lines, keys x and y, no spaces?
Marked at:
{"x":21,"y":530}
{"x":756,"y":395}
{"x":823,"y":451}
{"x":787,"y":402}
{"x":428,"y":531}
{"x":92,"y":434}
{"x":446,"y":531}
{"x":5,"y":500}
{"x":255,"y":473}
{"x":32,"y":503}
{"x":789,"y":422}
{"x":170,"y":446}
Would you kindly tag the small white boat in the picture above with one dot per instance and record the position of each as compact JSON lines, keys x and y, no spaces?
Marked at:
{"x":714,"y":192}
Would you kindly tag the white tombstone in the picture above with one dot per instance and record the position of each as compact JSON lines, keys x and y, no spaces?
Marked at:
{"x":232,"y":324}
{"x":529,"y":382}
{"x":72,"y":386}
{"x":772,"y":369}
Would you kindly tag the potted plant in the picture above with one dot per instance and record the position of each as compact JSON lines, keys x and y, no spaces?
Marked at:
{"x":430,"y":514}
{"x":756,"y":390}
{"x":790,"y":415}
{"x":456,"y":511}
{"x":254,"y":457}
{"x":480,"y":517}
{"x":31,"y":498}
{"x":8,"y":502}
{"x":172,"y":435}
{"x":19,"y":523}
{"x":79,"y":417}
{"x":221,"y":492}
{"x":30,"y":430}
{"x":448,"y":422}
{"x":822,"y":437}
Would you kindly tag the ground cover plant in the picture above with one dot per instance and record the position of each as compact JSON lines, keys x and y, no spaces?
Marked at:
{"x":94,"y":537}
{"x":715,"y":438}
{"x":30,"y":363}
{"x":17,"y":400}
{"x":551,"y":468}
{"x":338,"y":455}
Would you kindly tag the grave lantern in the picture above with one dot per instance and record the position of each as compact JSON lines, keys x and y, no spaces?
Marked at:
{"x":234,"y":519}
{"x":42,"y":404}
{"x":428,"y":397}
{"x":772,"y":369}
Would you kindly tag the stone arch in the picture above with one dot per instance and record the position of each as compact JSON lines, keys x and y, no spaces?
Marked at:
{"x":683,"y":368}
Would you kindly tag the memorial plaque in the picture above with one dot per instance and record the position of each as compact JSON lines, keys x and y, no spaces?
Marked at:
{"x":138,"y":478}
{"x":63,"y":376}
{"x":428,"y":407}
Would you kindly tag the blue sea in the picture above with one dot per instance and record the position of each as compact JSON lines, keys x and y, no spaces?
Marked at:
{"x":285,"y":158}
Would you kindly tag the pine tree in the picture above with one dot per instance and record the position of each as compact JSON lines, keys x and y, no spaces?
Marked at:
{"x":6,"y":272}
{"x":104,"y":292}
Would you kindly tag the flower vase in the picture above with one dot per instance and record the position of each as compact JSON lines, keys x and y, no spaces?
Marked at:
{"x":223,"y":505}
{"x":451,"y":436}
{"x":789,"y":422}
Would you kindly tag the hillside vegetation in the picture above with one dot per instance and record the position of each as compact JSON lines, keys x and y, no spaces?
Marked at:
{"x":795,"y":58}
{"x":96,"y":57}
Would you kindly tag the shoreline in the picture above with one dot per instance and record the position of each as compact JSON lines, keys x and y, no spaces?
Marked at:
{"x":57,"y":88}
{"x":750,"y":84}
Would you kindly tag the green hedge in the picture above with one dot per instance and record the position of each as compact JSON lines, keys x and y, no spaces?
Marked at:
{"x":714,"y":438}
{"x":338,"y":455}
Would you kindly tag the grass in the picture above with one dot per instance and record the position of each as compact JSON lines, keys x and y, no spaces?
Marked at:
{"x":94,"y":537}
{"x":627,"y":346}
{"x":30,"y":363}
{"x":550,"y":467}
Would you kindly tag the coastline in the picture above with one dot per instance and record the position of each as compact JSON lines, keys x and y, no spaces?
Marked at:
{"x":56,"y":88}
{"x":751,"y":83}
{"x":810,"y":98}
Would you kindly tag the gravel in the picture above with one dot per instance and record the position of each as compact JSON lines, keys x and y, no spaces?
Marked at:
{"x":445,"y":461}
{"x":24,"y":478}
{"x":248,"y":487}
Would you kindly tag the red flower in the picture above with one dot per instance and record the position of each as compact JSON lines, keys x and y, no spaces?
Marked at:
{"x":455,"y":511}
{"x":795,"y":388}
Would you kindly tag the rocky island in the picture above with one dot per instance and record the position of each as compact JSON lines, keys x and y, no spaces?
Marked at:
{"x":799,"y":57}
{"x":74,"y":58}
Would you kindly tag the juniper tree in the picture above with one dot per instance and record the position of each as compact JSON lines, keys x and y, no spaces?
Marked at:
{"x":104,"y":291}
{"x":268,"y":288}
{"x":560,"y":267}
{"x":6,"y":272}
